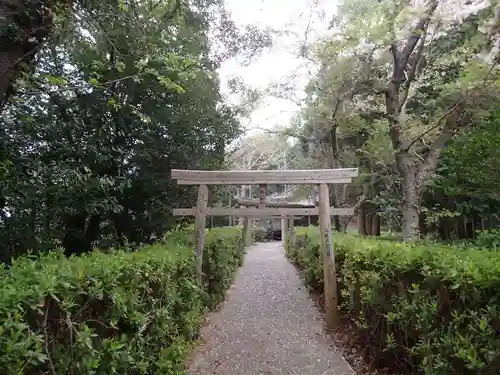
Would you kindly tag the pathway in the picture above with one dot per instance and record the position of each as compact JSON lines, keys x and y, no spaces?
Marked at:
{"x":268,"y":325}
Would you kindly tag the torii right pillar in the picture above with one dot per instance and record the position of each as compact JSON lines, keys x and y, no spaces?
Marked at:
{"x":328,"y":256}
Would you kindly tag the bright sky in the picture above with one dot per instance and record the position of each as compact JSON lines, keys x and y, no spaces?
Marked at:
{"x":282,"y":61}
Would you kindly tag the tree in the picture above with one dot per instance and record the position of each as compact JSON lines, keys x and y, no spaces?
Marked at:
{"x":256,"y":152}
{"x":25,"y":27}
{"x":441,"y":77}
{"x":417,"y":159}
{"x":463,"y":195}
{"x":101,"y":116}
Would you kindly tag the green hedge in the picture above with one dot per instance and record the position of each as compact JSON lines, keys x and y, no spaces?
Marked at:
{"x":425,"y":308}
{"x":260,"y":234}
{"x":115,"y":313}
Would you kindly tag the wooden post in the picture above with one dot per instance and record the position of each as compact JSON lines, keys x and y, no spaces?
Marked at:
{"x":284,"y":230}
{"x":241,"y":220}
{"x":200,"y":222}
{"x":247,"y":223}
{"x":262,"y":197}
{"x":329,"y":272}
{"x":247,"y":231}
{"x":291,"y":229}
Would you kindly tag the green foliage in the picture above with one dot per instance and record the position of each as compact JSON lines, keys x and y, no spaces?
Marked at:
{"x":465,"y":188}
{"x":223,"y":254}
{"x":469,"y":165}
{"x":489,"y":239}
{"x":427,"y":308}
{"x":260,"y":234}
{"x":305,"y":254}
{"x":120,"y":313}
{"x":117,"y":97}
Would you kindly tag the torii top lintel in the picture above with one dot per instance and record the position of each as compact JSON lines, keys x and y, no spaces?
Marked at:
{"x":242,"y":177}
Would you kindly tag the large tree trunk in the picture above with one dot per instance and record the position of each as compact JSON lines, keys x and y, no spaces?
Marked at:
{"x":375,"y":225}
{"x":369,"y":222}
{"x":412,"y":187}
{"x":81,"y":232}
{"x":335,"y":196}
{"x":336,"y":223}
{"x":362,"y":220}
{"x":422,"y":225}
{"x":23,"y":27}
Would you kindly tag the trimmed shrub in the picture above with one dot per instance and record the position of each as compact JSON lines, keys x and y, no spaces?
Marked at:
{"x":424,"y":308}
{"x":224,"y":251}
{"x":260,"y":234}
{"x":114,"y":313}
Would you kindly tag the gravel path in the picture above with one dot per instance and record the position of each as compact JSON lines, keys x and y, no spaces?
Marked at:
{"x":268,"y":325}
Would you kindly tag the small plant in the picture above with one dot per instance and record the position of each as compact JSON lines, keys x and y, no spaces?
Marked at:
{"x":489,"y":239}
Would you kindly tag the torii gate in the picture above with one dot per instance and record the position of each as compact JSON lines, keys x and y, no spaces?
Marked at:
{"x":321,"y":177}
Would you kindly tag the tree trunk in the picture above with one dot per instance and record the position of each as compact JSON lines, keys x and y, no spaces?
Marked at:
{"x":335,"y":195}
{"x":336,"y":200}
{"x":336,"y":223}
{"x":80,"y":234}
{"x":362,"y":220}
{"x":23,"y":27}
{"x":421,"y":224}
{"x":346,"y":223}
{"x":369,"y":223}
{"x":469,"y":227}
{"x":411,"y":210}
{"x":396,"y":96}
{"x":408,"y":169}
{"x":375,"y":225}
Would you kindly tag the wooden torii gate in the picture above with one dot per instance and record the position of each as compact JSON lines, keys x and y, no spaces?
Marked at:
{"x":320,"y":177}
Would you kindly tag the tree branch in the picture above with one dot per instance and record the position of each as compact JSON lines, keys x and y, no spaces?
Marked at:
{"x":417,"y":33}
{"x":432,"y":157}
{"x":373,"y":115}
{"x":398,"y":77}
{"x":360,"y":201}
{"x":454,"y":107}
{"x":411,"y":75}
{"x":287,"y":132}
{"x":396,"y":68}
{"x":104,"y":84}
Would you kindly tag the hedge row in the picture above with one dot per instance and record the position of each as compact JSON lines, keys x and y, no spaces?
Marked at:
{"x":260,"y":234}
{"x":424,"y":308}
{"x":114,"y":313}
